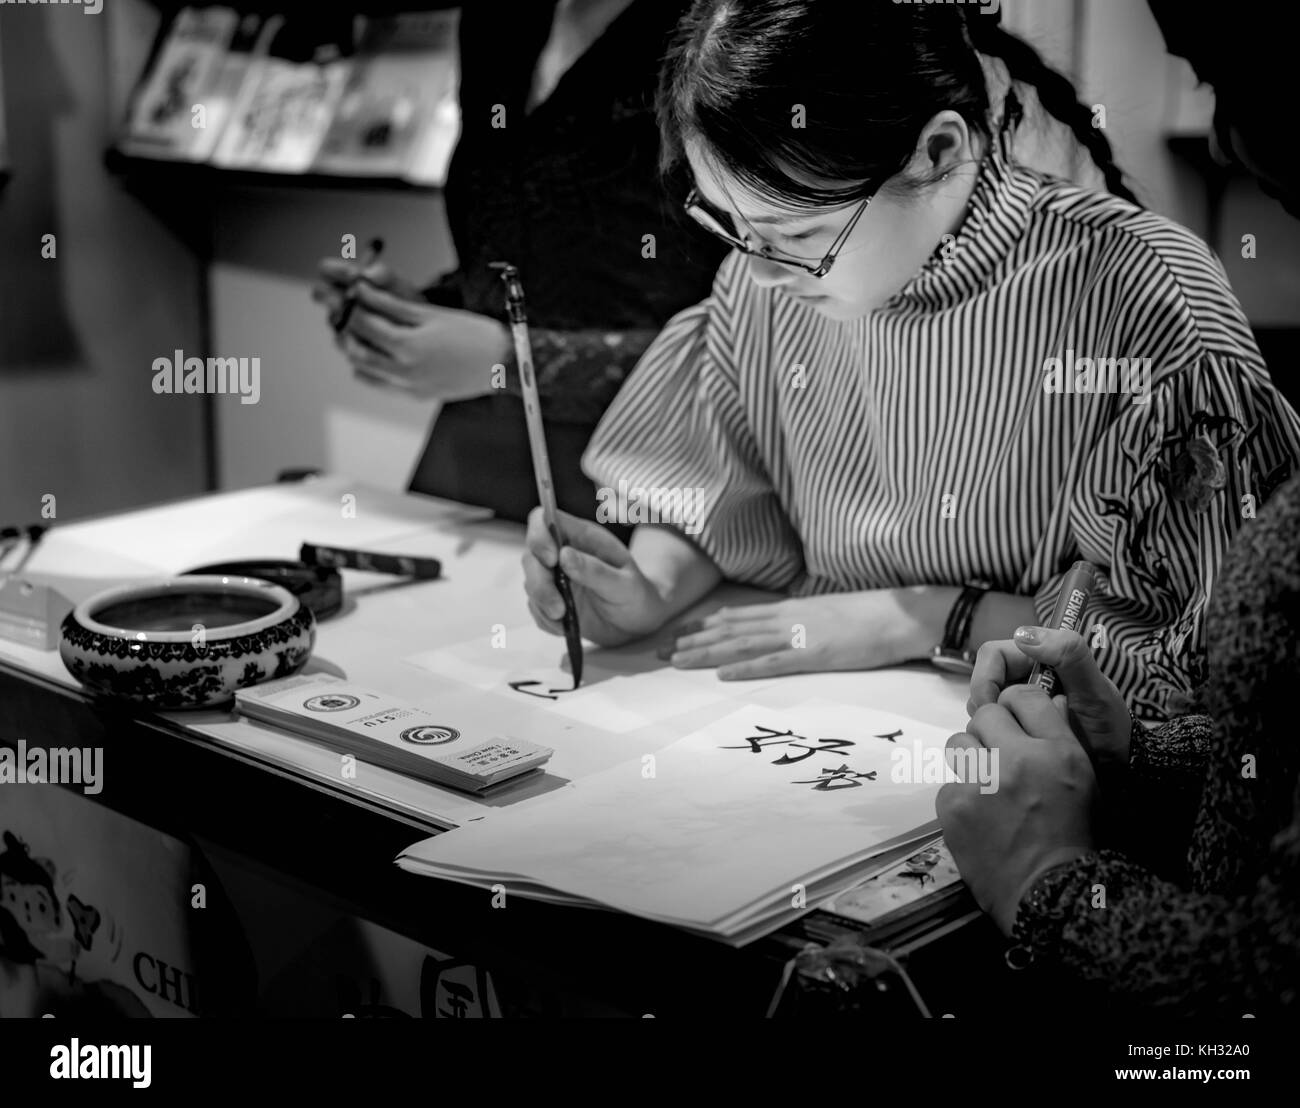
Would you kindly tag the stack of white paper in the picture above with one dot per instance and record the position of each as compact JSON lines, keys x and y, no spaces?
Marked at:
{"x":730,"y":832}
{"x":389,"y":733}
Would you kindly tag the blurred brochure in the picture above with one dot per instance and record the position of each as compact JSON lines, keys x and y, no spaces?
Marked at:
{"x":255,"y":92}
{"x":240,"y":68}
{"x":283,"y":111}
{"x":161,"y":120}
{"x":399,"y":115}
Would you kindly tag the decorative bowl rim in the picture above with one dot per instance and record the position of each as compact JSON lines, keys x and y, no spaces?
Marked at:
{"x":287,"y":606}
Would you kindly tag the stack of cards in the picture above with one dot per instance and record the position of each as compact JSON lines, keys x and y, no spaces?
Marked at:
{"x":904,"y":901}
{"x":386,"y":732}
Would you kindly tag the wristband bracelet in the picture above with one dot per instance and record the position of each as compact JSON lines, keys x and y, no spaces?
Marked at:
{"x":951,"y":654}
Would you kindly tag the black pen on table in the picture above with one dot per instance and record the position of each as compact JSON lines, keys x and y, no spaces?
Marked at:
{"x":350,"y":297}
{"x":399,"y":565}
{"x":12,"y":537}
{"x":1068,"y":615}
{"x":541,"y":460}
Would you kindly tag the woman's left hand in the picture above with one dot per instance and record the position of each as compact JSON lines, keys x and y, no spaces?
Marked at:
{"x":861,"y":630}
{"x":1037,"y":812}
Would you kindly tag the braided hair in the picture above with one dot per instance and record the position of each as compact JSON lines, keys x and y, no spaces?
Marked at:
{"x":816,"y":103}
{"x":1055,"y":93}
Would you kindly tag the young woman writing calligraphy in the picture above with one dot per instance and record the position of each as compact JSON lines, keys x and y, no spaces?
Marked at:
{"x":887,"y":406}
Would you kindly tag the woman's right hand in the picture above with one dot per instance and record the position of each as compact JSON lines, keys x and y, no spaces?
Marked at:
{"x":616,"y":602}
{"x":1092,"y":704}
{"x":394,"y":337}
{"x":336,"y":277}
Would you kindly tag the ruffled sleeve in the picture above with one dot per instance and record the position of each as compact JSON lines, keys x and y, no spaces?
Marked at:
{"x":676,"y":447}
{"x":1158,"y":500}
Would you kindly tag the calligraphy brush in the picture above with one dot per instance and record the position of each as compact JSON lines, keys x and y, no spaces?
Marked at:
{"x":541,"y":461}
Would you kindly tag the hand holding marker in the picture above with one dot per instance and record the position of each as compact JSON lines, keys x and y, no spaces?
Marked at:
{"x":1071,"y":607}
{"x":340,"y":320}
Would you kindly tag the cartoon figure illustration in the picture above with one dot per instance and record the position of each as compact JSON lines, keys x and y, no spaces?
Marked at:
{"x":41,"y":940}
{"x":85,"y":921}
{"x":27,"y":897}
{"x":30,"y":921}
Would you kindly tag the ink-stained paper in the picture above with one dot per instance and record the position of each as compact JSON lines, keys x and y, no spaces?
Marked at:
{"x":623,"y":689}
{"x":731,"y":831}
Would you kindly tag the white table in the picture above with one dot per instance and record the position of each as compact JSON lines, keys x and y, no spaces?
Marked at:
{"x":258,"y":801}
{"x":385,"y":621}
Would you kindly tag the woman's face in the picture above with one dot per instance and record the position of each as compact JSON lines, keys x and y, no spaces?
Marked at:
{"x":894,"y":237}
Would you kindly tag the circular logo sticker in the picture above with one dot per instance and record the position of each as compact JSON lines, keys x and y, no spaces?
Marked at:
{"x":430,"y":736}
{"x":331,"y":702}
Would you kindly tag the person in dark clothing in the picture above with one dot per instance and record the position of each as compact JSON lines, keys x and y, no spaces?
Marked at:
{"x":1071,"y":855}
{"x":556,"y":172}
{"x":1246,"y":55}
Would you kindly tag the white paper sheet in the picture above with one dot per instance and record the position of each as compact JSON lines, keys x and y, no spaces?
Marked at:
{"x":622,"y":689}
{"x":710,"y":830}
{"x":270,"y":522}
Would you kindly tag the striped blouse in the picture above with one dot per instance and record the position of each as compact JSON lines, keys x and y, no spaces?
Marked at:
{"x":932,"y":441}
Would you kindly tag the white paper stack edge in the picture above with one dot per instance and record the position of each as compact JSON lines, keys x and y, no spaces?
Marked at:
{"x":747,"y":923}
{"x":717,"y":841}
{"x":387,"y":732}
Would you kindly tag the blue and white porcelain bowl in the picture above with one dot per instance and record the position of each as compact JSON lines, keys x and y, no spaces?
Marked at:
{"x":186,"y":642}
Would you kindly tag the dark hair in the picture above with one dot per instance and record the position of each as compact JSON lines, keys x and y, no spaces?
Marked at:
{"x":869,"y":74}
{"x":17,"y":865}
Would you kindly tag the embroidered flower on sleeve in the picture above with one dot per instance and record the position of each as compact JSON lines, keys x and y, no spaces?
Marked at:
{"x":1197,"y":473}
{"x":1192,"y":465}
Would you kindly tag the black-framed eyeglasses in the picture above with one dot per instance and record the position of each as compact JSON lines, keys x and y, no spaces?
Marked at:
{"x":722,"y":227}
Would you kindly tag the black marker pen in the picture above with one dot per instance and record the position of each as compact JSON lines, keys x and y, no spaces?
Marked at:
{"x":1071,"y":606}
{"x":400,"y":565}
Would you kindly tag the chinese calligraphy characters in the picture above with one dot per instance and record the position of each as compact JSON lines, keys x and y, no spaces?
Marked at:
{"x":829,"y":779}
